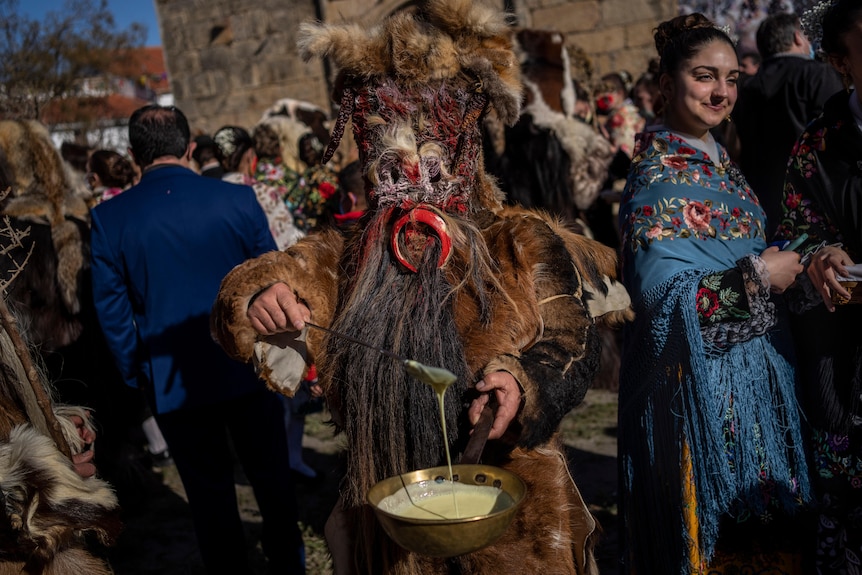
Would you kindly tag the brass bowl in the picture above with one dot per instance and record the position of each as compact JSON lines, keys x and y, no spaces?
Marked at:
{"x":450,"y":537}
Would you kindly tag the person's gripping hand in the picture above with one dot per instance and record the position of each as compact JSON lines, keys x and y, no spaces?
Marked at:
{"x":826,"y":265}
{"x":508,"y":395}
{"x":276,"y":310}
{"x":83,"y":462}
{"x":783,"y":267}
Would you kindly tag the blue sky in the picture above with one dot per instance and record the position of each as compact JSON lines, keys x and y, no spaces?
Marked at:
{"x":125,"y":12}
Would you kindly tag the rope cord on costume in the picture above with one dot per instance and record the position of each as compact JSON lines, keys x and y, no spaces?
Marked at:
{"x":554,"y":297}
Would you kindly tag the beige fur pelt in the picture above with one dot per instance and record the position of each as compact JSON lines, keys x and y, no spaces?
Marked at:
{"x":43,"y":191}
{"x":49,"y":510}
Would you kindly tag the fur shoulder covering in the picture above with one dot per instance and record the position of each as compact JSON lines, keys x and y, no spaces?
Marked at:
{"x":299,"y":267}
{"x":49,"y":509}
{"x":606,"y":299}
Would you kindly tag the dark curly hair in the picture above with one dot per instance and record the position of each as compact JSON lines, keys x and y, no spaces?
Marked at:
{"x":679,"y":39}
{"x":114,"y":169}
{"x":266,"y":141}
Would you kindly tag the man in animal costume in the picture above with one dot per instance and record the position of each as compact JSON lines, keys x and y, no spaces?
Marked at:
{"x":438,"y":271}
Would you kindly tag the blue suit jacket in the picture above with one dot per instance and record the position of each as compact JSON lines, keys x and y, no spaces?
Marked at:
{"x":159,"y":252}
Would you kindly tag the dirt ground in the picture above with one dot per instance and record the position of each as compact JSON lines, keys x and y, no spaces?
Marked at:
{"x":158,"y":536}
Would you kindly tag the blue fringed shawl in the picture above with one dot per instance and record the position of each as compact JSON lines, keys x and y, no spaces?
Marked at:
{"x":683,"y":217}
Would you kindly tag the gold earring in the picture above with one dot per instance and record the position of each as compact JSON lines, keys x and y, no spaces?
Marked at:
{"x":728,"y":118}
{"x":847,"y":81}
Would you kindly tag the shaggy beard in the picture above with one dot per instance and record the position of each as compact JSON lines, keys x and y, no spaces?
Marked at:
{"x":392,"y":421}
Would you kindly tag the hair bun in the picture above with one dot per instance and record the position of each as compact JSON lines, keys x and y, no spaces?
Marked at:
{"x":673,"y":28}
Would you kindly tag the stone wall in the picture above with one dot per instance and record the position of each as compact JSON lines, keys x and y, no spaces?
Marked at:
{"x":615,"y":34}
{"x":229,"y":60}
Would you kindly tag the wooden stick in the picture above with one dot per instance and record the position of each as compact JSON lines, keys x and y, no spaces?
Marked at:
{"x":44,"y":402}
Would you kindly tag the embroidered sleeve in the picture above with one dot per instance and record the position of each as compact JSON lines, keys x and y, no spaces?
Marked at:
{"x":733,"y":306}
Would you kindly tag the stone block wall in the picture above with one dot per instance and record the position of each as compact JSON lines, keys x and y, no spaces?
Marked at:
{"x":229,"y":60}
{"x":615,"y":34}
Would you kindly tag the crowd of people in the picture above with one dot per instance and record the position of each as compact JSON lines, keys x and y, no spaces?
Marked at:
{"x":730,"y":213}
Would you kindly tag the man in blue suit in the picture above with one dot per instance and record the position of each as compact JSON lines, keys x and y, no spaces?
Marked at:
{"x":159,"y":252}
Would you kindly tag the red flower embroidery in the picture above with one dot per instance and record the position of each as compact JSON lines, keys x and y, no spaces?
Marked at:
{"x":654,"y":232}
{"x":793,"y":200}
{"x":707,"y":302}
{"x":697,"y":216}
{"x":647,"y":211}
{"x":686,"y":150}
{"x":674,"y":162}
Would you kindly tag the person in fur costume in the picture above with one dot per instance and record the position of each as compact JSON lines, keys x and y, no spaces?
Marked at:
{"x":437,"y":270}
{"x":55,"y":507}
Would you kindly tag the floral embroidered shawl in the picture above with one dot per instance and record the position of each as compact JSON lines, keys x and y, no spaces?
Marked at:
{"x":733,"y":410}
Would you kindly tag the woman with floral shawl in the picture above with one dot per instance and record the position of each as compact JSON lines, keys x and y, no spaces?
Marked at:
{"x":710,"y":443}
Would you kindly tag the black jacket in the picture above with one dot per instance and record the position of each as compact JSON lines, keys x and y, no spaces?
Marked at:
{"x":772,"y":110}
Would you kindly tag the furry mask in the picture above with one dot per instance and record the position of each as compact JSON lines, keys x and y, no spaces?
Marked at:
{"x":416,"y":89}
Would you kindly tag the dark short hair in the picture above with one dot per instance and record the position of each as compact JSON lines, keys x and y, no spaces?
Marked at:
{"x":156,"y":131}
{"x":351,"y":179}
{"x":310,"y":149}
{"x":775,"y":33}
{"x":204,"y":149}
{"x":752,"y":54}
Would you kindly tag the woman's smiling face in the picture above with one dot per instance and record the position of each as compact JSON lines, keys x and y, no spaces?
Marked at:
{"x":703,"y":92}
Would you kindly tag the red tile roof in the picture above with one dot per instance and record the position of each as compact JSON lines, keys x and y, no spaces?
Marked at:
{"x":148,"y":62}
{"x":90,"y":109}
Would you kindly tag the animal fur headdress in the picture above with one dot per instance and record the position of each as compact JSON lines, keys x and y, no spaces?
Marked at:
{"x":416,"y":88}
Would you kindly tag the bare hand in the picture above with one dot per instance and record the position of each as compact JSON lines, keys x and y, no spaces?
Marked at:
{"x":508,"y":394}
{"x":276,"y":310}
{"x":83,"y":462}
{"x":783,"y":267}
{"x":826,"y":264}
{"x":315,"y":389}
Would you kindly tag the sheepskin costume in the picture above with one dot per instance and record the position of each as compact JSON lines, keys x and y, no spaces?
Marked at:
{"x":439,"y":271}
{"x":51,"y":517}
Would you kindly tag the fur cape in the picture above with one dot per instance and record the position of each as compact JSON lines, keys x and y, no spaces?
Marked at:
{"x":439,"y":271}
{"x":51,"y":516}
{"x":49,"y":511}
{"x":45,"y":193}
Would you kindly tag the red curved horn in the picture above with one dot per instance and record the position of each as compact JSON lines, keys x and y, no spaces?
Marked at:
{"x":433,"y":221}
